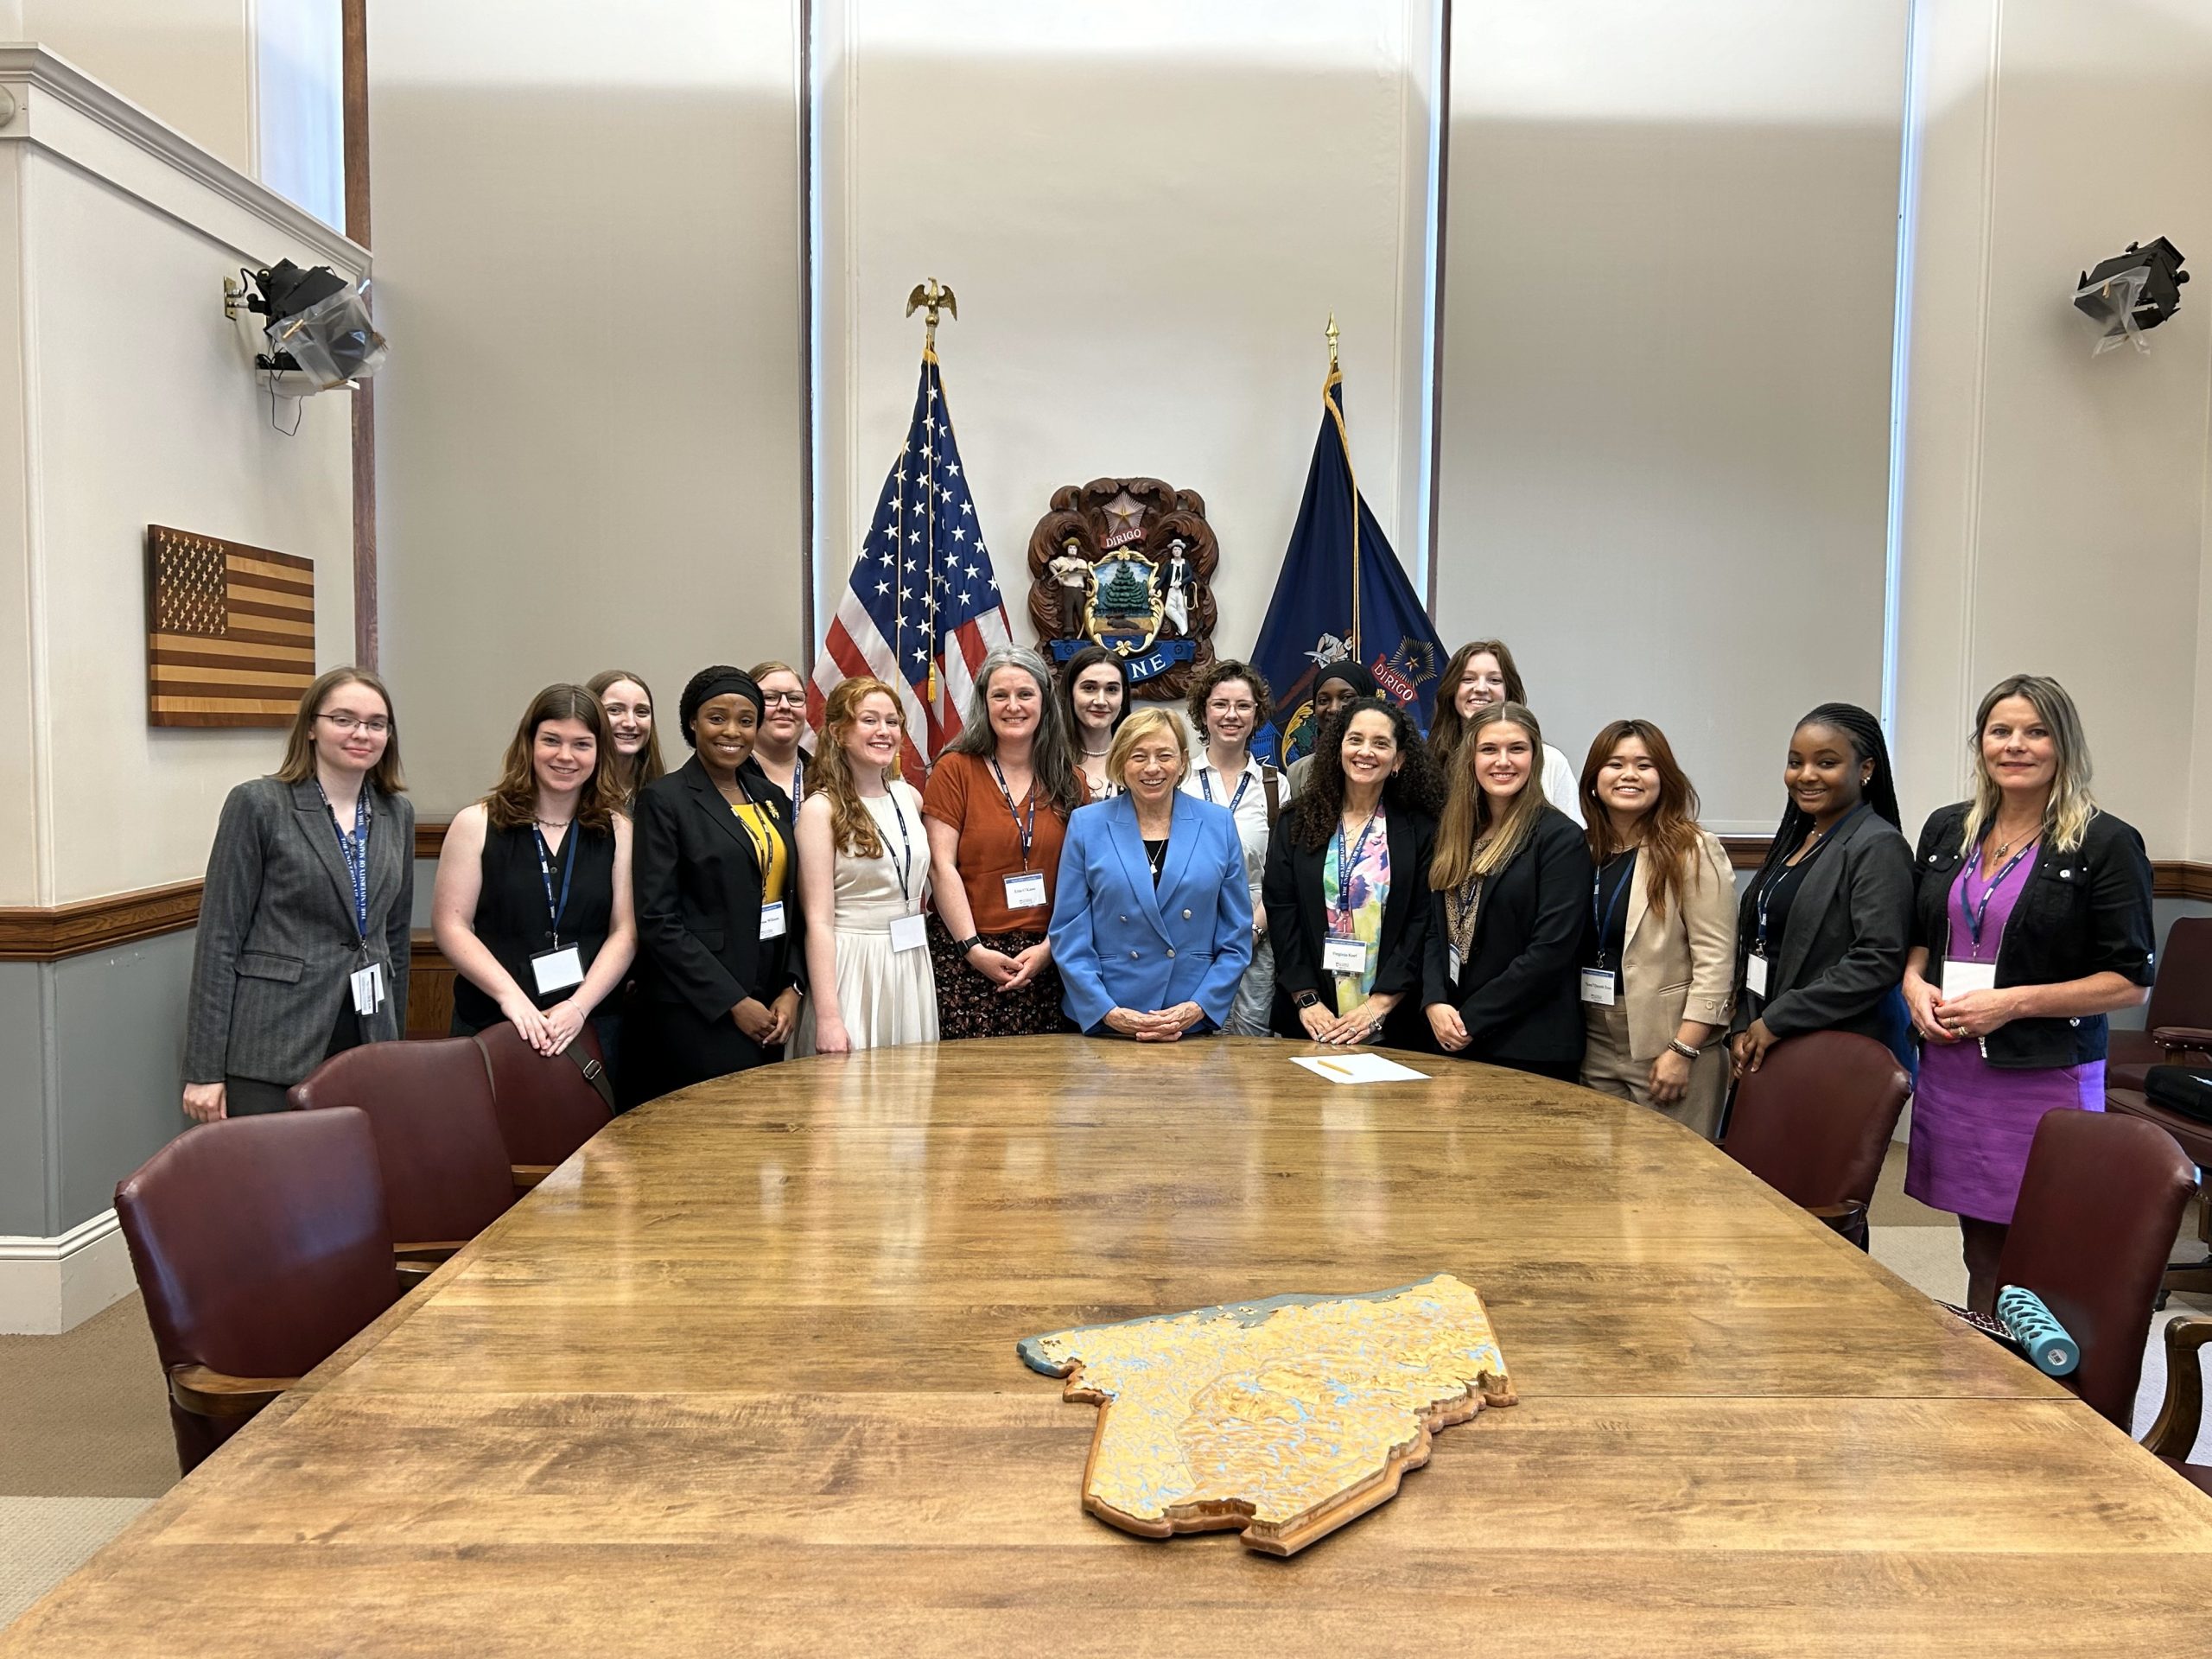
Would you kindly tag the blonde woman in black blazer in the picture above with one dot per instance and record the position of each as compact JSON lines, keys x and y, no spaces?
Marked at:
{"x":302,"y":945}
{"x":716,"y":874}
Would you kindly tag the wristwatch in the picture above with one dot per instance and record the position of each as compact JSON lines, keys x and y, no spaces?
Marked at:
{"x":1688,"y":1052}
{"x":1306,"y":999}
{"x":963,"y":946}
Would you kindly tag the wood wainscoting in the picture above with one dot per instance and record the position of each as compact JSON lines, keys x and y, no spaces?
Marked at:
{"x":52,"y":933}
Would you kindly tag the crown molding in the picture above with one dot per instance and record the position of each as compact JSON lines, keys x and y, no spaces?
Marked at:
{"x":51,"y":102}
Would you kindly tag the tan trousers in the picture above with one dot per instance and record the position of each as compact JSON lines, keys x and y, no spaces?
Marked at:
{"x":1607,"y":1068}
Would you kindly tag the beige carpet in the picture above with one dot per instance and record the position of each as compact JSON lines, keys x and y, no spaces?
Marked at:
{"x":96,"y":1451}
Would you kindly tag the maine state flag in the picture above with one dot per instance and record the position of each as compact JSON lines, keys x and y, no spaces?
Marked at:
{"x":1341,"y":594}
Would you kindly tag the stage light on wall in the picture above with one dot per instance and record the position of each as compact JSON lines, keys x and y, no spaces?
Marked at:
{"x":2131,"y":293}
{"x":318,"y":329}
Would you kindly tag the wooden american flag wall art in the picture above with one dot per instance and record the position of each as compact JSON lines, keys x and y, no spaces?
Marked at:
{"x":230,"y":631}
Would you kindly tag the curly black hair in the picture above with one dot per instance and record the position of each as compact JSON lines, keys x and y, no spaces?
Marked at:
{"x":1417,"y":785}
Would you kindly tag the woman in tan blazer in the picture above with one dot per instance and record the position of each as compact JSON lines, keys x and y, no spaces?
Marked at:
{"x":1659,"y":943}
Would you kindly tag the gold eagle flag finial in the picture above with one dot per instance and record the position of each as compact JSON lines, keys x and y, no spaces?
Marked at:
{"x":928,"y":297}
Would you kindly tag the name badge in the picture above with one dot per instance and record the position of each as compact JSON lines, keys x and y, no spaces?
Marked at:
{"x":907,"y":933}
{"x":771,"y":920}
{"x":1755,"y":974}
{"x":558,"y":969}
{"x":1025,"y":890}
{"x":1342,"y":956}
{"x":368,"y":988}
{"x":1959,"y":977}
{"x":1598,"y":987}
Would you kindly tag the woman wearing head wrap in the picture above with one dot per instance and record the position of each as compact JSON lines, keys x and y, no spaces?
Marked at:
{"x":717,"y":899}
{"x":1822,"y":932}
{"x":1341,"y":685}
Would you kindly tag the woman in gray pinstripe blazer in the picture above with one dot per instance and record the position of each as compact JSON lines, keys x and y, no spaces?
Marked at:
{"x":303,"y":923}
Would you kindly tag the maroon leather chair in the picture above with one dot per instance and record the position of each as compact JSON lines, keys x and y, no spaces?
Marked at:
{"x":261,"y":1248}
{"x":2095,"y":1219}
{"x":2177,"y":1019}
{"x":429,"y":1104}
{"x":2194,"y":1140}
{"x":1815,"y":1121}
{"x":546,"y":1106}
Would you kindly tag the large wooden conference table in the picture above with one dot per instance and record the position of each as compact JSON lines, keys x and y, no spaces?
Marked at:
{"x":740,"y":1377}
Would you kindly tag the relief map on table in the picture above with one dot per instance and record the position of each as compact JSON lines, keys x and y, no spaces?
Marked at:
{"x":1286,"y":1417}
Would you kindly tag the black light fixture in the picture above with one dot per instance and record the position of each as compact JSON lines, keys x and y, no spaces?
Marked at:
{"x":319,"y":336}
{"x":2131,"y":292}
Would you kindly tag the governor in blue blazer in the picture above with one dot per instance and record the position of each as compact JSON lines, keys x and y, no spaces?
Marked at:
{"x":1152,"y":918}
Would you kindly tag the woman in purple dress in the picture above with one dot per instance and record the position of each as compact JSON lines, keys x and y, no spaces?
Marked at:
{"x":2031,"y":923}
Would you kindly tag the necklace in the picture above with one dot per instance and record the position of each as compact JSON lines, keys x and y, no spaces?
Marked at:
{"x":2019,"y":839}
{"x":1098,"y":755}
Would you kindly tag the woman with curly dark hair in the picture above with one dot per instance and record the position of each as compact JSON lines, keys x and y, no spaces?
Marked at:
{"x":1347,"y":882}
{"x":1229,"y":701}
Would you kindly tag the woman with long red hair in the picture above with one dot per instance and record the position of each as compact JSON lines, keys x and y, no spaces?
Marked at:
{"x":1659,"y":944}
{"x":864,"y":870}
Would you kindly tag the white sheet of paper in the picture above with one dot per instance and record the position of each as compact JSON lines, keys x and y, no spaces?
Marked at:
{"x":1959,"y":977}
{"x":558,"y":970}
{"x":1359,"y":1068}
{"x":771,"y":920}
{"x":368,"y":988}
{"x":1755,"y":974}
{"x":1026,"y":890}
{"x":907,"y":933}
{"x":1344,"y":956}
{"x":1598,"y":987}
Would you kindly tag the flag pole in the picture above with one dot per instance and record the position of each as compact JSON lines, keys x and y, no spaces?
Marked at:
{"x":928,"y":297}
{"x":1335,"y":378}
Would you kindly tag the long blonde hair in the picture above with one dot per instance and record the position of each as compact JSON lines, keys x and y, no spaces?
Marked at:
{"x":2066,"y":816}
{"x":1467,"y":810}
{"x":852,"y":827}
{"x":632,"y":772}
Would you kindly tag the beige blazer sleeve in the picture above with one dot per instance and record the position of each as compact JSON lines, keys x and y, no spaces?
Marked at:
{"x":1683,"y":967}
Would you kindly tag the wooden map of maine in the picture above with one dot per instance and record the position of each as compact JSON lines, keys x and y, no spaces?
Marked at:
{"x":1287,"y":1417}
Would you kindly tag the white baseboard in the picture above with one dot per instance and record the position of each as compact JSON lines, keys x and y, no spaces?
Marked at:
{"x":49,"y":1285}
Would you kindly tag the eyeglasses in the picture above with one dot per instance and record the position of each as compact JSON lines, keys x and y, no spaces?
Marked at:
{"x":797,"y":699}
{"x":375,"y":724}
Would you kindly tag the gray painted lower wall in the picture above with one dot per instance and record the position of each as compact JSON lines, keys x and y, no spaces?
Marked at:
{"x":94,"y":1048}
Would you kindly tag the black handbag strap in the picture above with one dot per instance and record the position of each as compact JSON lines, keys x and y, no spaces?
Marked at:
{"x":594,"y":1074}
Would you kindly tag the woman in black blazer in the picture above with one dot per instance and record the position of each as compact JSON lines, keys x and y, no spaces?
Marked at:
{"x":1511,"y":886}
{"x":1821,"y":931}
{"x":2032,"y":924}
{"x":715,"y":871}
{"x":1347,"y":877}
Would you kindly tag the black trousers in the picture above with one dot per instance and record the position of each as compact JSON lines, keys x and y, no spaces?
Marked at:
{"x":249,"y":1096}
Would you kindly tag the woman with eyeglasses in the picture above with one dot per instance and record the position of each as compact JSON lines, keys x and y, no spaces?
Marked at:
{"x":1229,"y":703}
{"x":302,"y":945}
{"x":783,"y":728}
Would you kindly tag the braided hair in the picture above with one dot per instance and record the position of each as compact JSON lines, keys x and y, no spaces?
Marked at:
{"x":1867,"y":743}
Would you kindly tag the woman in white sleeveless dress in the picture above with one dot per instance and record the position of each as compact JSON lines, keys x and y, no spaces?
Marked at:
{"x":864,"y":870}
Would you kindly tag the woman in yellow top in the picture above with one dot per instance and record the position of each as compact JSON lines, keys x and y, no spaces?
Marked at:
{"x":717,"y":899}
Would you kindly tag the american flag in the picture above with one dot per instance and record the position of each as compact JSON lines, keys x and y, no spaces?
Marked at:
{"x":923,"y":607}
{"x":230,"y":631}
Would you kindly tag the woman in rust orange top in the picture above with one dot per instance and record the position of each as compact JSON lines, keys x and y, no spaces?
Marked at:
{"x":998,"y":806}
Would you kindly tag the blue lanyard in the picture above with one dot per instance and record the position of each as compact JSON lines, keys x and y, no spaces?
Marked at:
{"x":545,"y":873}
{"x":1027,"y":828}
{"x":798,"y":781}
{"x":906,"y":847}
{"x":1605,"y":921}
{"x":1978,"y":915}
{"x":1820,"y":838}
{"x":1345,"y":858}
{"x":1243,"y":783}
{"x":354,"y":849}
